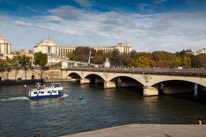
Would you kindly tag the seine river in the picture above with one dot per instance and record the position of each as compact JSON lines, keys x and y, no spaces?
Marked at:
{"x":99,"y":108}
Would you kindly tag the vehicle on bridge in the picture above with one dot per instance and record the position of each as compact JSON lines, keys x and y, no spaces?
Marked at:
{"x":46,"y":92}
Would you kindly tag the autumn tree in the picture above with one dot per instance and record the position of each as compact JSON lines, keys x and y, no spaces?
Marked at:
{"x":186,"y":62}
{"x":144,"y":62}
{"x":83,"y":53}
{"x":202,"y":60}
{"x":176,"y":62}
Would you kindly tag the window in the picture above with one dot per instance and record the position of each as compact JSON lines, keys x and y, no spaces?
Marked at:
{"x":55,"y":91}
{"x":49,"y":92}
{"x":35,"y":92}
{"x":49,"y":49}
{"x":42,"y":92}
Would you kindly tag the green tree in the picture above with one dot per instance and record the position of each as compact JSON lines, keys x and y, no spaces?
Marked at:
{"x":99,"y":57}
{"x":15,"y":64}
{"x":7,"y":64}
{"x":132,"y":62}
{"x":69,"y":55}
{"x":124,"y":59}
{"x":1,"y":66}
{"x":41,"y":60}
{"x":25,"y":62}
{"x":195,"y":61}
{"x":115,"y":58}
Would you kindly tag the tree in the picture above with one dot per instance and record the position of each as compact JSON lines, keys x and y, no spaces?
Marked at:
{"x":99,"y":57}
{"x":7,"y":63}
{"x":25,"y":62}
{"x":202,"y":60}
{"x":186,"y":62}
{"x":1,"y":66}
{"x":132,"y":62}
{"x":144,"y":62}
{"x":195,"y":61}
{"x":124,"y":59}
{"x":15,"y":64}
{"x":41,"y":60}
{"x":69,"y":54}
{"x":115,"y":57}
{"x":176,"y":62}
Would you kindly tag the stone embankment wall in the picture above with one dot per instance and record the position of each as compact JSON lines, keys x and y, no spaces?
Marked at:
{"x":48,"y":74}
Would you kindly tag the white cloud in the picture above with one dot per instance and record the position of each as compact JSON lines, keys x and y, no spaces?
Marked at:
{"x":159,"y":1}
{"x":54,"y":18}
{"x":83,"y":3}
{"x":72,"y":26}
{"x":142,"y":7}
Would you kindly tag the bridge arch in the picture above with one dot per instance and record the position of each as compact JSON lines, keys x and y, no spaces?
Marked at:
{"x":74,"y":75}
{"x":94,"y":76}
{"x":126,"y":81}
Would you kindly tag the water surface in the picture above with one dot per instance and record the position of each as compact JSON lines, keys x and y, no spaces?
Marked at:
{"x":99,"y":108}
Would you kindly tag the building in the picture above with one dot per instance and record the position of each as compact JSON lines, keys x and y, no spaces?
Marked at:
{"x":201,"y":51}
{"x":50,"y":47}
{"x":5,"y":47}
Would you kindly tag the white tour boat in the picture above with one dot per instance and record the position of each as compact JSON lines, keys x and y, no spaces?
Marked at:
{"x":45,"y":92}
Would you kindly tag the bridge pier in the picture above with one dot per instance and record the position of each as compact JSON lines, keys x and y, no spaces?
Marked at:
{"x":109,"y":84}
{"x":84,"y":81}
{"x":150,"y":91}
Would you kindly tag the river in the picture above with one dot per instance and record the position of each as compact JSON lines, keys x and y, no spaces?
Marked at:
{"x":99,"y":108}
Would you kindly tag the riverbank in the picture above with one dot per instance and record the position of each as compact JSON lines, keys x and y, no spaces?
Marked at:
{"x":147,"y":130}
{"x":19,"y":82}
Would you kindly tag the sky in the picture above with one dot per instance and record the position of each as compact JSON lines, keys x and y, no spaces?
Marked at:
{"x":147,"y":25}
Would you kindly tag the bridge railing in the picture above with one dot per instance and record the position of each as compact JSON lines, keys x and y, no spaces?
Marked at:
{"x":179,"y":72}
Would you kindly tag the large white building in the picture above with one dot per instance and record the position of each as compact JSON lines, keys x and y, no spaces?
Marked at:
{"x":5,"y":47}
{"x":201,"y":51}
{"x":49,"y":46}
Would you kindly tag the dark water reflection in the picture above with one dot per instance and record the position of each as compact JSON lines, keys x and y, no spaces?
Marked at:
{"x":99,"y":108}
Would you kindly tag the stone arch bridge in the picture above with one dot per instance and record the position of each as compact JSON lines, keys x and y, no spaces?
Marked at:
{"x":150,"y":79}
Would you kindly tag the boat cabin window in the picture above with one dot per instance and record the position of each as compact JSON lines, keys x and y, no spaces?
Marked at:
{"x":35,"y":92}
{"x":55,"y":91}
{"x":49,"y":92}
{"x":42,"y":92}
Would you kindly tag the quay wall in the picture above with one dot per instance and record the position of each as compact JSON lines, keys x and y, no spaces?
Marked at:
{"x":146,"y":130}
{"x":36,"y":73}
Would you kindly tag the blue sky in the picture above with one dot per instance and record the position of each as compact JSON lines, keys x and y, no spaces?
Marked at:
{"x":148,"y":25}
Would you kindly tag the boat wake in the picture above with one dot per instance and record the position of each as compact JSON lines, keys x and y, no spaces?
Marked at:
{"x":64,"y":96}
{"x":14,"y":98}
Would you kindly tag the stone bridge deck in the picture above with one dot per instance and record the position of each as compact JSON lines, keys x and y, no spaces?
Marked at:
{"x":150,"y":79}
{"x":176,"y":72}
